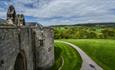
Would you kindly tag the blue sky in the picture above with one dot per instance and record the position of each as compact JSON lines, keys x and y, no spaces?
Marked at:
{"x":56,"y":12}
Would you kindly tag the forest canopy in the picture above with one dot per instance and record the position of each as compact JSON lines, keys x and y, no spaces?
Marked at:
{"x":84,"y":32}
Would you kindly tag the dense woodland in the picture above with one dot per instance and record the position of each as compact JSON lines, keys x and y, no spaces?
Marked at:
{"x":84,"y":32}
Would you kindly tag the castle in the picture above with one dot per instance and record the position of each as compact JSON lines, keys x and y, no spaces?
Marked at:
{"x":25,"y":46}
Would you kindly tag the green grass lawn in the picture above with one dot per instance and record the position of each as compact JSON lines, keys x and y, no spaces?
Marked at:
{"x":72,"y":60}
{"x":101,"y":51}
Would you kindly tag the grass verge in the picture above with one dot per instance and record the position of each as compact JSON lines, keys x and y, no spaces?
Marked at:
{"x":72,"y":60}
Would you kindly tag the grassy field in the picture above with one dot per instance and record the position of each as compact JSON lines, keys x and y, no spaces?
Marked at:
{"x":100,"y":50}
{"x":68,"y":55}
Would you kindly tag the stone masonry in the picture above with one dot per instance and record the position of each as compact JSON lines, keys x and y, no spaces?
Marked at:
{"x":25,"y":47}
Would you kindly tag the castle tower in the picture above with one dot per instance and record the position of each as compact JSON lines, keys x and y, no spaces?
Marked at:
{"x":11,"y":15}
{"x":20,"y":19}
{"x":44,"y":48}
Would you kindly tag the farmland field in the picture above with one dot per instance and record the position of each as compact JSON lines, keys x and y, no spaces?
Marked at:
{"x":66,"y":57}
{"x":100,"y":50}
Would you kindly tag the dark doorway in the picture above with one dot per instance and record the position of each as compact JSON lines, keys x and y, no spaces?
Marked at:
{"x":20,"y":63}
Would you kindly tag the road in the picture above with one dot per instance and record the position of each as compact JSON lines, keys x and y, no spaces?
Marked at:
{"x":88,"y":63}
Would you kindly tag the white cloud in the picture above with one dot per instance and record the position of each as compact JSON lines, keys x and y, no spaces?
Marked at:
{"x":70,"y":11}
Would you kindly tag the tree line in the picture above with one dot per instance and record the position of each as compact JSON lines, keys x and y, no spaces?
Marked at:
{"x":84,"y":32}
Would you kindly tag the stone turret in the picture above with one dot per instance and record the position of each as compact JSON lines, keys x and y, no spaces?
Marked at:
{"x":11,"y":15}
{"x":12,"y":18}
{"x":20,"y":19}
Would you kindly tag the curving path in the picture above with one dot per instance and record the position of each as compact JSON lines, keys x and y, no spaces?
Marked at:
{"x":62,"y":63}
{"x":88,"y":63}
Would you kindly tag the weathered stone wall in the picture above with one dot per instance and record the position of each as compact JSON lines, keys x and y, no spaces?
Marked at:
{"x":12,"y":42}
{"x":48,"y":47}
{"x":45,"y":48}
{"x":8,"y":47}
{"x":34,"y":43}
{"x":26,"y":45}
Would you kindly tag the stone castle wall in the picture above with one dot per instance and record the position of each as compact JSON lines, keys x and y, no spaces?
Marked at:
{"x":8,"y":47}
{"x":33,"y":43}
{"x":45,"y":48}
{"x":25,"y":47}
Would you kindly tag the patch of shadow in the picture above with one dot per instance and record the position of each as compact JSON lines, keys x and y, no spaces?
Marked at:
{"x":92,"y":66}
{"x":57,"y":52}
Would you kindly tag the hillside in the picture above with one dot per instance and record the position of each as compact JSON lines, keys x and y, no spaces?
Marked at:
{"x":88,"y":24}
{"x":2,"y":21}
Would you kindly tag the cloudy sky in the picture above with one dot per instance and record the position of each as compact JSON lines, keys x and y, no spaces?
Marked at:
{"x":51,"y":12}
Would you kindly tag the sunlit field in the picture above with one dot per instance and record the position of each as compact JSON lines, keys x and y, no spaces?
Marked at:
{"x":100,"y":50}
